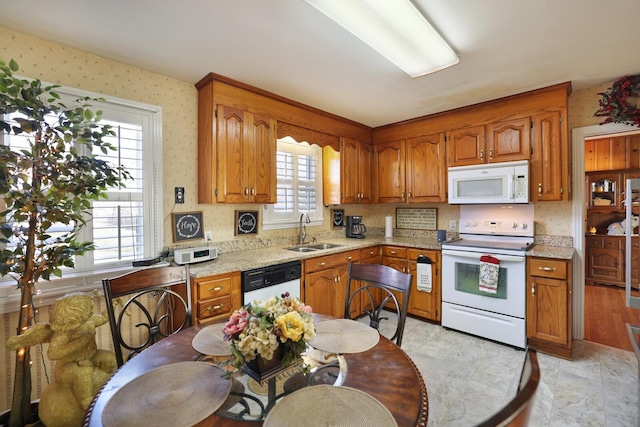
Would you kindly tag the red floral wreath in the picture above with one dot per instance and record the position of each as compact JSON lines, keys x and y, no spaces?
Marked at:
{"x":614,"y":104}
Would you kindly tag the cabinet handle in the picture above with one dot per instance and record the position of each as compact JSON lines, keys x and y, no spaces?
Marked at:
{"x":246,"y":191}
{"x":540,"y":188}
{"x":253,"y":191}
{"x":349,"y":258}
{"x":482,"y":154}
{"x":217,"y":288}
{"x":402,"y":195}
{"x":546,"y":268}
{"x":491,"y":153}
{"x":321,"y":264}
{"x":215,"y":307}
{"x":533,"y":290}
{"x":409,"y":194}
{"x":393,"y":252}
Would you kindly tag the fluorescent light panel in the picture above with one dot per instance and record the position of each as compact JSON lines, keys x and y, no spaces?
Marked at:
{"x":395,"y":29}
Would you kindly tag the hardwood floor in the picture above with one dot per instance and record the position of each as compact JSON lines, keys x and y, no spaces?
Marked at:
{"x":606,"y":314}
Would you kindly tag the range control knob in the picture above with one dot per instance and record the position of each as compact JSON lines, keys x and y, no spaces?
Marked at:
{"x":524,"y":226}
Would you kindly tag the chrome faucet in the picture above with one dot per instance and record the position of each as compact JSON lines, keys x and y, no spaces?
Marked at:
{"x":303,"y":228}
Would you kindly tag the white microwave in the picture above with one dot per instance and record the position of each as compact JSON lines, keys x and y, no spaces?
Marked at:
{"x":506,"y":182}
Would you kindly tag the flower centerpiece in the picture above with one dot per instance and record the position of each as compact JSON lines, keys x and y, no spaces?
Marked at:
{"x":620,"y":103}
{"x":280,"y":325}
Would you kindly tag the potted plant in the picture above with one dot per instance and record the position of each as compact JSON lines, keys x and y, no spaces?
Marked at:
{"x":51,"y":181}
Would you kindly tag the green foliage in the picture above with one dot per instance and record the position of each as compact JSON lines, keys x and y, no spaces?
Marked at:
{"x":51,"y":181}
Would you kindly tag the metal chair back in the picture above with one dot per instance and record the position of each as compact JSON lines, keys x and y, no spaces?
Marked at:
{"x":150,"y":298}
{"x":379,"y":289}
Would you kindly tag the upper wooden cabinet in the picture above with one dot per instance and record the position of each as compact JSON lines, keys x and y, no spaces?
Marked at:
{"x":496,"y":142}
{"x":550,"y":166}
{"x":604,"y":154}
{"x":356,"y":158}
{"x":246,"y":146}
{"x":411,"y":170}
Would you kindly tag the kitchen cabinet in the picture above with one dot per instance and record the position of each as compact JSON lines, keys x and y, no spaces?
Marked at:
{"x":603,"y":191}
{"x":549,"y":306}
{"x":325,"y":282}
{"x":550,"y":165}
{"x":605,"y":154}
{"x":356,"y":158}
{"x":215,"y":297}
{"x":367,"y":256}
{"x":502,"y":141}
{"x":246,"y":152}
{"x":410,"y":170}
{"x":422,"y":304}
{"x":605,"y":260}
{"x":425,"y":304}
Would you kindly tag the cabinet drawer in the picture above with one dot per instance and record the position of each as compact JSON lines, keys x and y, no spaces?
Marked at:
{"x":214,"y":307}
{"x":367,"y":252}
{"x":595,"y":242}
{"x":214,"y":288}
{"x":413,"y":254}
{"x":321,"y":263}
{"x":613,"y":243}
{"x":552,"y":268}
{"x":394,"y":251}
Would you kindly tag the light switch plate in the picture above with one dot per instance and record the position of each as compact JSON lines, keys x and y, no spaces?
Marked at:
{"x":179,"y":194}
{"x":452,"y":224}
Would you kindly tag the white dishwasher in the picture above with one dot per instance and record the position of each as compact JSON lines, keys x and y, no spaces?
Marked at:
{"x":274,"y":280}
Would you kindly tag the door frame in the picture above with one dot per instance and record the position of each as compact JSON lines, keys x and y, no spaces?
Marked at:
{"x":579,"y":214}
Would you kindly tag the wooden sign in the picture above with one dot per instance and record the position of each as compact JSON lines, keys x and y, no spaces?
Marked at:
{"x":246,"y":222}
{"x":187,"y":226}
{"x":416,"y":218}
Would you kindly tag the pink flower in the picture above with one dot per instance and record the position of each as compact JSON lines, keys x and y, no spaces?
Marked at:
{"x":237,"y":322}
{"x":306,"y":308}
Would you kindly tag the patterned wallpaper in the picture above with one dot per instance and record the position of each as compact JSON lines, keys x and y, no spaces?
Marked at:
{"x":56,"y":63}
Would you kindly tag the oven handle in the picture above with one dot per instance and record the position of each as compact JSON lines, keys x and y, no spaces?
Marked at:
{"x":476,"y":255}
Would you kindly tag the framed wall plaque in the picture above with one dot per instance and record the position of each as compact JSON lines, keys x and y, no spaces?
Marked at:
{"x":416,"y":218}
{"x":246,"y":222}
{"x":337,"y":218}
{"x":187,"y":226}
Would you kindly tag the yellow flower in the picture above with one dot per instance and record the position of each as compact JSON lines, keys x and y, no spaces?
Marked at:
{"x":291,"y":325}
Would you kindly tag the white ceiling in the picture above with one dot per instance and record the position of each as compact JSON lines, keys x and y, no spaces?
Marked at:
{"x":289,"y":48}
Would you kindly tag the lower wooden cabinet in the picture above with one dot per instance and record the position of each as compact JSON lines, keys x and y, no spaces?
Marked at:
{"x":422,"y":304}
{"x":325,"y":282}
{"x":215,"y":297}
{"x":549,"y":306}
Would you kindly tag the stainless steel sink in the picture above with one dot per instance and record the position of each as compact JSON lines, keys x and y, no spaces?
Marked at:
{"x":302,"y":249}
{"x":324,"y":246}
{"x":313,"y":248}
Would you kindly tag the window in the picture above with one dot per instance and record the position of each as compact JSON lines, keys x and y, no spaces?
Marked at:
{"x":299,"y":185}
{"x":123,"y":226}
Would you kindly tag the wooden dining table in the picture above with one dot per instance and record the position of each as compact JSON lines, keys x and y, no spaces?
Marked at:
{"x":385,"y":372}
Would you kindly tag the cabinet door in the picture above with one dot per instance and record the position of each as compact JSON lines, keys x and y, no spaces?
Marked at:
{"x":547,"y":315}
{"x":389,"y":167}
{"x":425,"y":304}
{"x":231,"y":147}
{"x":365,"y":162}
{"x":349,"y":171}
{"x":466,"y":146}
{"x":426,"y":180}
{"x":320,"y":291}
{"x":603,"y":191}
{"x":261,"y":160}
{"x":605,"y":265}
{"x":605,"y":154}
{"x":509,"y":140}
{"x":548,"y":172}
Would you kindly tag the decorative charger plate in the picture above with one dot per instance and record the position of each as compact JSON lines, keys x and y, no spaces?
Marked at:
{"x":210,"y":341}
{"x":344,"y":336}
{"x":327,"y":405}
{"x":179,"y":394}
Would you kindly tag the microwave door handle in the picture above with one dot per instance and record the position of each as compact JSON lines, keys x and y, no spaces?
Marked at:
{"x":510,"y":186}
{"x":476,"y":255}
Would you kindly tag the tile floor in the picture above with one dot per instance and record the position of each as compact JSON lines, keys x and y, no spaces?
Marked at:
{"x":469,"y":378}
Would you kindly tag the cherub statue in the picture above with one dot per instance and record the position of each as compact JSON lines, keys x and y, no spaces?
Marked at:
{"x":80,"y":368}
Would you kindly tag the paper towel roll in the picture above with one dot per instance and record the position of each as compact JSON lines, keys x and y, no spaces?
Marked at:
{"x":388,"y":226}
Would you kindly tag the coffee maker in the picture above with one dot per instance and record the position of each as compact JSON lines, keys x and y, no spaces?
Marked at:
{"x":355,"y":227}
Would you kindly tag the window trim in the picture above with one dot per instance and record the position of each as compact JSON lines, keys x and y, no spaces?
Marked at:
{"x":84,"y":279}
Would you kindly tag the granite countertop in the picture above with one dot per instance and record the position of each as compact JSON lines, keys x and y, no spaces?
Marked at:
{"x":257,"y":258}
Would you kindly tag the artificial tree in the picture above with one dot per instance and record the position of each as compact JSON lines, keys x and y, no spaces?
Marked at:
{"x":52,"y":181}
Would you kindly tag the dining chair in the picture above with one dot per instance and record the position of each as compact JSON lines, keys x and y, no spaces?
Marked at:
{"x":517,"y":413}
{"x":153,"y":304}
{"x":385,"y":289}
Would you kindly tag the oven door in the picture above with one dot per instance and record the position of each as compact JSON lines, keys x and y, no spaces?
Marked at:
{"x":461,"y":276}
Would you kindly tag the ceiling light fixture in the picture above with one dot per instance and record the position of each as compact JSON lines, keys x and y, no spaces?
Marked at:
{"x":396,"y":29}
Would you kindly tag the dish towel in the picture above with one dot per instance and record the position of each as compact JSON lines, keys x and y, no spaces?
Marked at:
{"x":489,"y":271}
{"x":424,"y":274}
